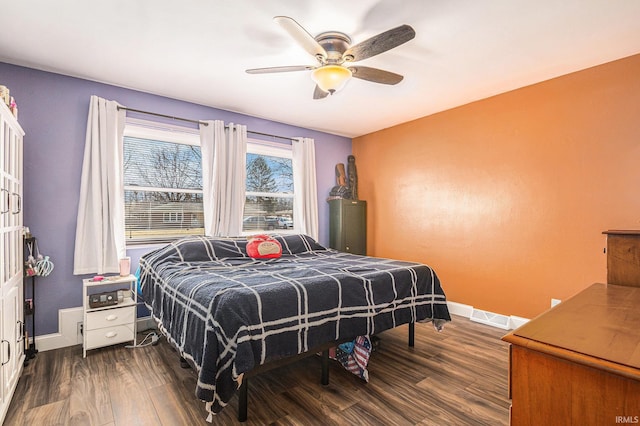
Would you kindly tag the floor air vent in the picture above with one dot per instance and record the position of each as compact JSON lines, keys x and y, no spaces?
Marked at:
{"x":489,"y":318}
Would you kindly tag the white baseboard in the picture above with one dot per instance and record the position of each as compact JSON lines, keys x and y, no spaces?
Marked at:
{"x":67,"y":334}
{"x":516,"y":322}
{"x":460,"y":309}
{"x":505,"y":322}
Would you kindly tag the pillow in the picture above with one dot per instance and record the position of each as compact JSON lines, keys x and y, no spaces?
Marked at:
{"x":263,"y":247}
{"x":201,"y":248}
{"x":298,"y":244}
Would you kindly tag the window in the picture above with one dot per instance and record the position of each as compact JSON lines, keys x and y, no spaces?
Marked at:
{"x":162,"y":182}
{"x":269,"y":188}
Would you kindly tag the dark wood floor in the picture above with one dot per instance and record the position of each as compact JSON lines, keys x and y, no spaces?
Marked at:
{"x":457,"y":377}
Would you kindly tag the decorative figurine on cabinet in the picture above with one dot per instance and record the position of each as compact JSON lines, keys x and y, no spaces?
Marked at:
{"x":346,"y":183}
{"x":341,"y":190}
{"x":352,"y":172}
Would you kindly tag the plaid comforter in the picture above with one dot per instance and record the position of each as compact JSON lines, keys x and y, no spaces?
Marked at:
{"x":227,"y":313}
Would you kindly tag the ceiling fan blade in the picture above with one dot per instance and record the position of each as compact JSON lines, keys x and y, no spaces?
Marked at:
{"x":269,"y":70}
{"x":318,"y":93}
{"x":380,"y":43}
{"x":301,"y":35}
{"x":376,"y":75}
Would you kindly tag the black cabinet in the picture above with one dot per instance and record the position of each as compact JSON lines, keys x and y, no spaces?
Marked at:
{"x":348,"y":225}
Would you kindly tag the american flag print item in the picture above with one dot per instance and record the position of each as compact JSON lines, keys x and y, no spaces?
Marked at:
{"x":354,"y":356}
{"x":227,"y":313}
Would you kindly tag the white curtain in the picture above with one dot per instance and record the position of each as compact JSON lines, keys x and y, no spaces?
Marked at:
{"x":224,"y":157}
{"x":305,"y":213}
{"x":100,"y":235}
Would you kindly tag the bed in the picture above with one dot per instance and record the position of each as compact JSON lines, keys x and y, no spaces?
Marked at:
{"x":228,"y":314}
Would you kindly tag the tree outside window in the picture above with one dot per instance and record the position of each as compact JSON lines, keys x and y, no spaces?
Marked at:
{"x":269,"y":190}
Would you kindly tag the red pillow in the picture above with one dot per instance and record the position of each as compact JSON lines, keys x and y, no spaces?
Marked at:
{"x":263,"y":247}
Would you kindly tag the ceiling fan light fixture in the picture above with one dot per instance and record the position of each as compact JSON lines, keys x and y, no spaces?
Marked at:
{"x":331,"y":78}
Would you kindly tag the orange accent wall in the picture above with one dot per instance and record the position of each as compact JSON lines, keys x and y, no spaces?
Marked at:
{"x":507,"y":197}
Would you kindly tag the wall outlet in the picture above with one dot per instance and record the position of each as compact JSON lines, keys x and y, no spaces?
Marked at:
{"x":80,"y":331}
{"x":554,"y":302}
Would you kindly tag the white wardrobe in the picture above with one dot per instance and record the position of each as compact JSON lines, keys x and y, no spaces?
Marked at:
{"x":11,"y":257}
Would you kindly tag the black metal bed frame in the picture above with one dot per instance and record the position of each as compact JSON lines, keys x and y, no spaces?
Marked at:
{"x":243,"y":391}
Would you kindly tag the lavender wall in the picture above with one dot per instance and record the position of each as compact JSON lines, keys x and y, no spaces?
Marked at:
{"x":53,"y":113}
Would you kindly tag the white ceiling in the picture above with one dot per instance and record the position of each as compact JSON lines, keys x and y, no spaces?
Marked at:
{"x":197,"y":50}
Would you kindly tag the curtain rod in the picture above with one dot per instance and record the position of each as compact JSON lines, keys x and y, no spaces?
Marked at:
{"x":197,"y":122}
{"x":163,"y":115}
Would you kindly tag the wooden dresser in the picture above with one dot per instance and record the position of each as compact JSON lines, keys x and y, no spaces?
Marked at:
{"x":623,"y":257}
{"x":579,"y":362}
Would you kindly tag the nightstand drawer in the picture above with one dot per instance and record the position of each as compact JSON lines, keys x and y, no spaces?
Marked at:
{"x":109,"y":336}
{"x":110,"y":317}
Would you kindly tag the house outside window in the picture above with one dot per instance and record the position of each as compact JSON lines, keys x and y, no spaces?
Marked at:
{"x":269,"y":188}
{"x":162,"y":182}
{"x":172,"y":217}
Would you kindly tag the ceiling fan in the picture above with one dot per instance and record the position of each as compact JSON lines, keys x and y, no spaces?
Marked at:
{"x":334,"y":54}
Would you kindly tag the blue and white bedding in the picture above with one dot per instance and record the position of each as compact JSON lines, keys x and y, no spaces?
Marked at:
{"x":227,"y":313}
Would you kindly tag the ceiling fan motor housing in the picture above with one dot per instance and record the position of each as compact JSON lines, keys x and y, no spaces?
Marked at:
{"x":335,"y":43}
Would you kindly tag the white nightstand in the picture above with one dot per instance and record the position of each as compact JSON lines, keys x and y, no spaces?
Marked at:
{"x":108,"y":325}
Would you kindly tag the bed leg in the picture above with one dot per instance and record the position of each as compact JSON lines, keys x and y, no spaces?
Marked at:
{"x":242,"y":400}
{"x":412,"y":334}
{"x":325,"y":368}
